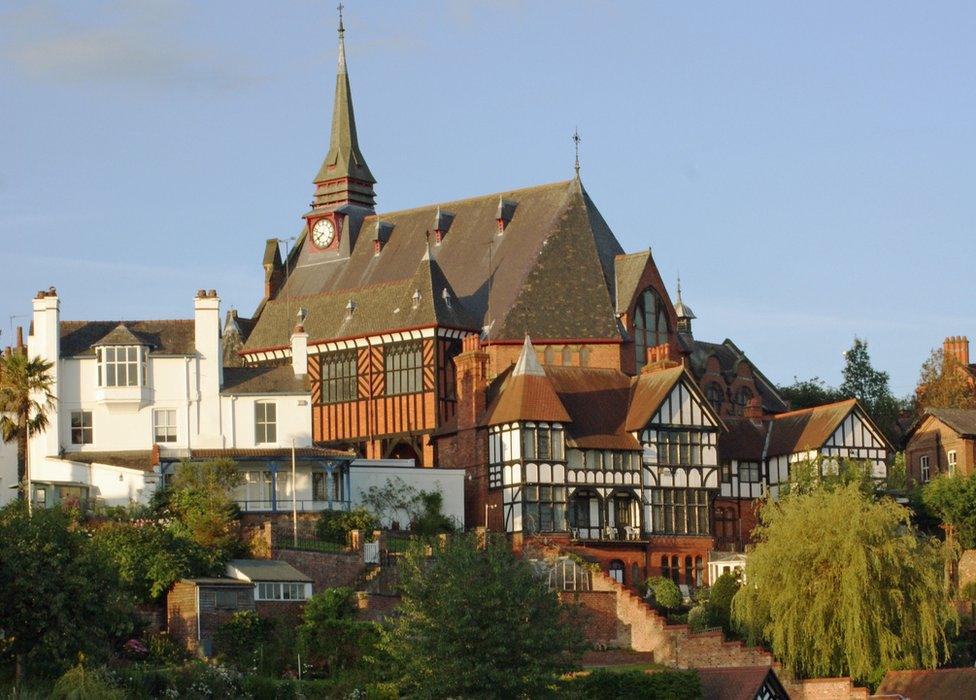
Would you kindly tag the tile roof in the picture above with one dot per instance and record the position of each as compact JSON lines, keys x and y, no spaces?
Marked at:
{"x":263,"y":380}
{"x":130,"y":459}
{"x":650,"y":389}
{"x":267,"y":570}
{"x":628,"y":270}
{"x":555,"y":228}
{"x":166,"y":337}
{"x":741,"y":683}
{"x":142,"y":459}
{"x":962,"y":420}
{"x":938,"y":683}
{"x":806,"y":429}
{"x":527,"y":394}
{"x":596,"y":400}
{"x":743,"y":440}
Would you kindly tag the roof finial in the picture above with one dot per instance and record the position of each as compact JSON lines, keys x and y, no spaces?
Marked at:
{"x":679,"y":286}
{"x":576,"y":142}
{"x":342,"y":29}
{"x":342,"y":41}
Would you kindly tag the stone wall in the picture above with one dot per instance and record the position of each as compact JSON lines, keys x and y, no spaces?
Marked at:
{"x":598,"y":616}
{"x":326,"y":569}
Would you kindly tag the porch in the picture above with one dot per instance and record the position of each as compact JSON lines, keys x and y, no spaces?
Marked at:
{"x":615,"y":517}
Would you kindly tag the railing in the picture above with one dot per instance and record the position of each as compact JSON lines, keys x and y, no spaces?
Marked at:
{"x":284,"y":505}
{"x":622,"y":533}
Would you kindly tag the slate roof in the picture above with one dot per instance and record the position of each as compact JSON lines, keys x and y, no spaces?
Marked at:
{"x":166,"y":337}
{"x":741,"y":683}
{"x":938,"y":683}
{"x":264,"y":380}
{"x":628,"y":270}
{"x":527,"y":394}
{"x":130,"y":459}
{"x":962,"y":420}
{"x":808,"y":428}
{"x":729,"y":356}
{"x":743,"y":440}
{"x":267,"y":570}
{"x":556,"y":247}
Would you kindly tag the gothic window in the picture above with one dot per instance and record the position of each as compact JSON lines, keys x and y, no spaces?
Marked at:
{"x":447,"y":371}
{"x":665,"y":568}
{"x":544,"y":509}
{"x":741,"y":399}
{"x":650,"y":324}
{"x":617,"y":571}
{"x":675,"y":569}
{"x":689,"y":572}
{"x":403,"y":368}
{"x":679,"y":447}
{"x":715,"y":396}
{"x":699,"y":572}
{"x":339,"y":379}
{"x":680,"y":511}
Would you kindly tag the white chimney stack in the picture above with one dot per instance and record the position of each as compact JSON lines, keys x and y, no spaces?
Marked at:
{"x":299,"y":346}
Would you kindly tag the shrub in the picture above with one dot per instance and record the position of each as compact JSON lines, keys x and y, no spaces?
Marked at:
{"x":334,"y":526}
{"x":241,"y":640}
{"x":431,"y":521}
{"x":164,"y":650}
{"x":632,"y":685}
{"x":81,"y":683}
{"x":968,"y":591}
{"x":667,"y":595}
{"x":331,"y":638}
{"x":720,"y":602}
{"x":699,"y":618}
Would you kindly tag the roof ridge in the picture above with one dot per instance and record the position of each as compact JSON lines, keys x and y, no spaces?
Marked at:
{"x":814,"y":408}
{"x":141,"y":320}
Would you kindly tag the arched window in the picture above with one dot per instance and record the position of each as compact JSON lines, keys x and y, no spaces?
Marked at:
{"x":715,"y":395}
{"x":741,"y":400}
{"x":689,"y":572}
{"x":675,"y":569}
{"x":665,"y":568}
{"x":650,"y":324}
{"x":617,"y":571}
{"x":699,"y":571}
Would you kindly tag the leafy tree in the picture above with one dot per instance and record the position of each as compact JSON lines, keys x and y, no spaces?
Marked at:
{"x":25,"y":399}
{"x":477,"y":623}
{"x":807,"y":393}
{"x":241,"y":640}
{"x":870,"y":386}
{"x":330,"y":635}
{"x":719,"y":604}
{"x":58,"y":596}
{"x":667,"y":595}
{"x":839,"y":583}
{"x":944,"y":383}
{"x":430,"y":520}
{"x":603,"y":683}
{"x":395,"y":498}
{"x":952,"y":498}
{"x":335,"y":525}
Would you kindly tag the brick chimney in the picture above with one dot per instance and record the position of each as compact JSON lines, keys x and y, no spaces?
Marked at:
{"x":957,"y":346}
{"x":472,"y":382}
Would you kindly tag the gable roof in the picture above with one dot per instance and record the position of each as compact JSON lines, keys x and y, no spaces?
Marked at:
{"x":266,"y":570}
{"x":527,"y":394}
{"x":742,"y":683}
{"x":166,"y":337}
{"x":938,"y":683}
{"x":742,"y":440}
{"x":597,"y":401}
{"x":729,"y":356}
{"x":555,"y":228}
{"x":807,"y":428}
{"x":961,"y":420}
{"x":651,"y":387}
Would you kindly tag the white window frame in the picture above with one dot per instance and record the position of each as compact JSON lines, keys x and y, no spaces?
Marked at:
{"x":283,"y":591}
{"x":951,"y":461}
{"x":263,"y":426}
{"x":924,"y":468}
{"x":90,"y":428}
{"x":135,"y":361}
{"x":170,"y":434}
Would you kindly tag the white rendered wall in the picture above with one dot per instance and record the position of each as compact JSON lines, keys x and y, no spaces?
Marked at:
{"x":8,"y":472}
{"x":364,"y":474}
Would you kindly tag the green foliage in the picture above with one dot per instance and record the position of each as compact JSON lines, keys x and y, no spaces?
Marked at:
{"x":150,"y":557}
{"x":631,"y":685}
{"x":807,"y":393}
{"x":85,"y":683}
{"x":399,"y":502}
{"x":331,"y":637}
{"x":430,"y":520}
{"x":828,"y":473}
{"x":943,"y":383}
{"x":477,"y":623}
{"x":666,"y":594}
{"x":335,"y":525}
{"x":699,"y":619}
{"x":952,"y":499}
{"x":241,"y":640}
{"x":840,"y":584}
{"x":58,"y":595}
{"x":968,"y":591}
{"x":26,"y":398}
{"x":720,"y":602}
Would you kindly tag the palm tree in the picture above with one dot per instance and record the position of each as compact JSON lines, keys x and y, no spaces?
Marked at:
{"x":25,"y":399}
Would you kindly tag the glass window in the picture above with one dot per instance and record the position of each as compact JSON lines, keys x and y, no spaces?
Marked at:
{"x":715,"y":396}
{"x":339,"y":377}
{"x":617,"y":571}
{"x":951,"y":461}
{"x":725,"y":472}
{"x":680,"y":511}
{"x":575,"y":459}
{"x":741,"y":399}
{"x":81,"y":428}
{"x":650,"y":324}
{"x":923,"y":467}
{"x":680,"y":447}
{"x":544,"y":509}
{"x":164,"y":425}
{"x":749,"y":472}
{"x":403,"y":368}
{"x":120,"y":365}
{"x":265,"y":422}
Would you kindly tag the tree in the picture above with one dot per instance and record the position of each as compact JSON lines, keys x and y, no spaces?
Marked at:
{"x":870,"y":386}
{"x":25,"y":399}
{"x":58,"y":595}
{"x":952,"y":499}
{"x":809,"y":392}
{"x":945,"y":383}
{"x":667,"y":595}
{"x":331,"y":637}
{"x":839,"y":583}
{"x":719,"y":604}
{"x":477,"y":623}
{"x":240,"y":641}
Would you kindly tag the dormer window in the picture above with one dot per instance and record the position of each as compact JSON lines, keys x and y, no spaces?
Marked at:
{"x":121,"y":365}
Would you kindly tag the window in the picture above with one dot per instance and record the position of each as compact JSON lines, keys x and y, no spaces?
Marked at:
{"x":543,"y":442}
{"x":725,"y":472}
{"x":164,"y":425}
{"x":679,"y":447}
{"x":265,"y":422}
{"x":121,"y":366}
{"x":544,"y":509}
{"x":339,"y":378}
{"x":923,"y":468}
{"x":581,"y":509}
{"x":81,"y":428}
{"x":226,"y":599}
{"x":741,"y":400}
{"x":951,"y":460}
{"x":650,"y":324}
{"x":617,"y":571}
{"x":680,"y":511}
{"x":324,"y":489}
{"x":699,"y":572}
{"x":665,"y":569}
{"x":715,"y":396}
{"x":607,"y":460}
{"x":281,"y":591}
{"x":403,"y":368}
{"x":749,"y":472}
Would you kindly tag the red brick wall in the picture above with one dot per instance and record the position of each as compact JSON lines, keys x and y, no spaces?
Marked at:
{"x":288,"y":612}
{"x":598,"y":615}
{"x":326,"y":569}
{"x":747,"y":518}
{"x":181,"y":614}
{"x":935,"y":439}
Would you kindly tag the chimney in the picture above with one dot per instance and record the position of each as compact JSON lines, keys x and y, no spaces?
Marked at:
{"x":753,"y":409}
{"x":442,"y":224}
{"x":472,"y":382}
{"x":957,"y":346}
{"x":299,"y":346}
{"x":44,"y":341}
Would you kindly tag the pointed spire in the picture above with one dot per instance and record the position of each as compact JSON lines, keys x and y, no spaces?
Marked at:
{"x":527,"y":362}
{"x":683,"y":312}
{"x":528,"y":394}
{"x":576,"y":142}
{"x":344,"y":177}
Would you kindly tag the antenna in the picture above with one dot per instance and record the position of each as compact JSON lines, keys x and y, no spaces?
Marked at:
{"x":576,"y":142}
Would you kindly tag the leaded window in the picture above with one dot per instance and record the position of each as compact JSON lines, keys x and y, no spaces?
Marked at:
{"x":680,"y":511}
{"x":650,"y":324}
{"x":403,"y":368}
{"x":544,"y":509}
{"x":339,"y":377}
{"x":680,"y":447}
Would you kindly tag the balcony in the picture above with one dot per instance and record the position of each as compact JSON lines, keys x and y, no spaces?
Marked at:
{"x":284,"y":505}
{"x":619,"y":533}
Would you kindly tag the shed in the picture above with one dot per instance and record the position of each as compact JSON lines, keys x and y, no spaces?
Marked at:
{"x":196,"y":607}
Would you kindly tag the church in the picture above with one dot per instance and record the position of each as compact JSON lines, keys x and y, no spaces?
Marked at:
{"x":510,"y":335}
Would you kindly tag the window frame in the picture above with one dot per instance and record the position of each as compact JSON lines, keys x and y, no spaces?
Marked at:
{"x":339,"y":376}
{"x":547,"y":504}
{"x":681,"y":511}
{"x":951,"y":461}
{"x":262,"y":423}
{"x":649,"y":335}
{"x":280,"y":591}
{"x":167,"y":427}
{"x":82,"y":429}
{"x":136,"y":364}
{"x":750,"y":472}
{"x":924,"y":469}
{"x":403,"y":368}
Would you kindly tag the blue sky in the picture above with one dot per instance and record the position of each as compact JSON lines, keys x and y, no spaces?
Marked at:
{"x":808,"y":168}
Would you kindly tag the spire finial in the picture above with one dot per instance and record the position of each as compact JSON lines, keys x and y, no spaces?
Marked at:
{"x":342,"y":29}
{"x":576,"y":142}
{"x":342,"y":41}
{"x":679,"y":286}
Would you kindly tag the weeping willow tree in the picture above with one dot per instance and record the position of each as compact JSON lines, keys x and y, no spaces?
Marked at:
{"x":839,"y":584}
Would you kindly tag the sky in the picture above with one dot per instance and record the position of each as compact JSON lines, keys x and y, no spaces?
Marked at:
{"x":807,"y":168}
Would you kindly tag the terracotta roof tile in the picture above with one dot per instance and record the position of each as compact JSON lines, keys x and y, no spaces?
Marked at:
{"x":743,"y":440}
{"x":742,"y":683}
{"x":596,"y":400}
{"x":938,"y":683}
{"x":806,"y":429}
{"x":650,"y":389}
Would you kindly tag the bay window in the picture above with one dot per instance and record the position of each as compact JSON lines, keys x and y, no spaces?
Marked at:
{"x":122,"y":365}
{"x":544,"y":509}
{"x":680,"y":511}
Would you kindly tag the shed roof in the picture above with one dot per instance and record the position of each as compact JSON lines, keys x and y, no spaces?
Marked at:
{"x":266,"y":570}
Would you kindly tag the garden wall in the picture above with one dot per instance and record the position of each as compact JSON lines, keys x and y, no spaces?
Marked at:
{"x":326,"y":569}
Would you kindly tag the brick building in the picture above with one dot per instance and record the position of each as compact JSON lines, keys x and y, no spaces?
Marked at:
{"x":942,"y":441}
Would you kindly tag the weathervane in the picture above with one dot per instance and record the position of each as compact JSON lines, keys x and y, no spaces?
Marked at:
{"x":341,"y":28}
{"x":576,"y":143}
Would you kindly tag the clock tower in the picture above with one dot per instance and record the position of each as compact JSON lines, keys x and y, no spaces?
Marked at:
{"x":344,"y":180}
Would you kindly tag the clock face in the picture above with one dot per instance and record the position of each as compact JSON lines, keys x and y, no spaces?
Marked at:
{"x":323,"y":233}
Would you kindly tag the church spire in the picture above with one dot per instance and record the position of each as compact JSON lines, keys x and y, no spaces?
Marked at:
{"x":344,"y":177}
